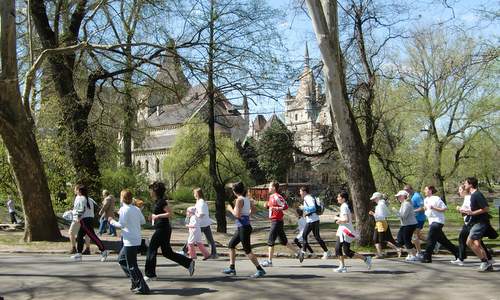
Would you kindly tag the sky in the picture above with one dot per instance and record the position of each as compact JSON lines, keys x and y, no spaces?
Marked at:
{"x":297,"y":30}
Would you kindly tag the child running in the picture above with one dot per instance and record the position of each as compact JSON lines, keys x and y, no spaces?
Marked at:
{"x":345,"y":235}
{"x":243,"y":207}
{"x":84,"y":214}
{"x":301,"y":224}
{"x":194,"y":237}
{"x":130,"y":222}
{"x":276,"y":205}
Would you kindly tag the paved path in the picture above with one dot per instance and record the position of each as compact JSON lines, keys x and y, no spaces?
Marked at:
{"x":56,"y":277}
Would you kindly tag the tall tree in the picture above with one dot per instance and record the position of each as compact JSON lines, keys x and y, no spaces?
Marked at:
{"x":16,"y":129}
{"x":346,"y":132}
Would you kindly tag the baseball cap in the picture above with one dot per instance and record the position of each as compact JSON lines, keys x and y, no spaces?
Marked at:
{"x":376,"y":195}
{"x":402,"y":193}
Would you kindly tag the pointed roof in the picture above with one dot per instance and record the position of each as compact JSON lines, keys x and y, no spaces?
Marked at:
{"x":306,"y":57}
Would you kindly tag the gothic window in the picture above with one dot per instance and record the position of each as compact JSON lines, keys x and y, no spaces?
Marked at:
{"x":139,"y":166}
{"x":296,"y":117}
{"x":157,"y":165}
{"x":146,"y":166}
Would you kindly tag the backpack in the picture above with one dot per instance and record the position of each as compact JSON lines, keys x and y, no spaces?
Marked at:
{"x":320,"y":208}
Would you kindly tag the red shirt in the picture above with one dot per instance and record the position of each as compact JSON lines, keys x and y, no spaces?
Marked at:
{"x":277,"y":205}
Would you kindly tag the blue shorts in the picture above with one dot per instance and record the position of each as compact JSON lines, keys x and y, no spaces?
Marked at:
{"x":420,"y":224}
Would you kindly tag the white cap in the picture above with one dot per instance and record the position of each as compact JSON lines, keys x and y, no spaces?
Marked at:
{"x":402,"y":193}
{"x":376,"y":195}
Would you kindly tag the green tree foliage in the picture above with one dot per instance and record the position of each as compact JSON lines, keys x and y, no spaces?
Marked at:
{"x":116,"y":179}
{"x":187,"y":162}
{"x":248,"y":152}
{"x":275,"y":151}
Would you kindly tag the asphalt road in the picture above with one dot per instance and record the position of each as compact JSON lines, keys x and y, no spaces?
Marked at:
{"x":24,"y":276}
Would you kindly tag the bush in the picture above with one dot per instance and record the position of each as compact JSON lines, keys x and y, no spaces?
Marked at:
{"x":183,"y":194}
{"x":115,"y":180}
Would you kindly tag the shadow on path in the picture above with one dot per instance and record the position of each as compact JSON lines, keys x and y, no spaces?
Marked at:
{"x":182,"y":292}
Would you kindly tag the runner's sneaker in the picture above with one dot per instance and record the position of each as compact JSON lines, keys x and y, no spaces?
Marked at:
{"x":457,"y":262}
{"x":104,"y":255}
{"x":420,"y":256}
{"x":267,"y":263}
{"x":326,"y":254}
{"x":368,"y":262}
{"x":258,"y":274}
{"x":154,"y":278}
{"x":76,"y":257}
{"x":340,"y":270}
{"x":191,"y":268}
{"x":484,"y":266}
{"x":411,"y":258}
{"x":229,"y":271}
{"x":181,"y":252}
{"x":301,"y":256}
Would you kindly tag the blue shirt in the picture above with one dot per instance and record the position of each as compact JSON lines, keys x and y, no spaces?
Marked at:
{"x":417,"y":201}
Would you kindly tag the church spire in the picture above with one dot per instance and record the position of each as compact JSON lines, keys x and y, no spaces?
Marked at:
{"x":306,"y":57}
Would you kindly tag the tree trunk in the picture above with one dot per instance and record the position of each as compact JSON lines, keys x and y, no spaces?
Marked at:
{"x":346,"y":131}
{"x":220,"y":203}
{"x":75,"y":111}
{"x":17,"y":134}
{"x":438,"y":174}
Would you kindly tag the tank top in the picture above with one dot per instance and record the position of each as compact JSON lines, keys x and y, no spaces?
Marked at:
{"x":244,"y":218}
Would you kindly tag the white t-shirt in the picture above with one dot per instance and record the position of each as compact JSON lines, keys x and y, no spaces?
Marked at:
{"x":310,"y":202}
{"x":130,"y":221}
{"x":81,"y":201}
{"x":432,"y":214}
{"x":301,"y":224}
{"x":10,"y":206}
{"x":466,"y":206}
{"x":381,"y":211}
{"x":202,"y":209}
{"x":345,"y":232}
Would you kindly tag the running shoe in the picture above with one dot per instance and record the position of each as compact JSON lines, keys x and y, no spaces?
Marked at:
{"x":484,"y":266}
{"x":258,"y":274}
{"x":229,"y":271}
{"x":76,"y":257}
{"x":340,"y":270}
{"x":301,"y":256}
{"x":152,"y":278}
{"x":457,"y":262}
{"x":267,"y":263}
{"x":104,"y":255}
{"x":326,"y":254}
{"x":191,"y":267}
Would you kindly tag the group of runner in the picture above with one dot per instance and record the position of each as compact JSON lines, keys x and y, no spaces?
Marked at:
{"x":413,"y":212}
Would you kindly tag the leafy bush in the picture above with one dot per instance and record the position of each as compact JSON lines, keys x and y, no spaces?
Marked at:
{"x":183,"y":194}
{"x":115,"y":180}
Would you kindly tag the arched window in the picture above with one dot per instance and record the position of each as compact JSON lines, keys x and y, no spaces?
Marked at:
{"x":157,"y":165}
{"x":146,"y":166}
{"x":139,"y":166}
{"x":296,"y":117}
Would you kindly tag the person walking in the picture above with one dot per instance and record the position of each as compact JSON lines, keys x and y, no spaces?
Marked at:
{"x":312,"y":224}
{"x":480,"y":223}
{"x":434,"y":210}
{"x":130,"y":222}
{"x":276,"y":205}
{"x":243,"y":207}
{"x":345,"y":235}
{"x":11,"y":207}
{"x":162,"y":234}
{"x":382,"y":233}
{"x":418,"y":207}
{"x":107,"y":210}
{"x":84,"y":214}
{"x":408,"y":220}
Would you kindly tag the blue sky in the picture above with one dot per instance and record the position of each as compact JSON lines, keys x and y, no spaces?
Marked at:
{"x":297,"y":29}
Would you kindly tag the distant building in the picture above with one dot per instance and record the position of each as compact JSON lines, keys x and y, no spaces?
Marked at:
{"x":169,"y":105}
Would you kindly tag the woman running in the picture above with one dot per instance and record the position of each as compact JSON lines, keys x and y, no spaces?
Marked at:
{"x":243,"y":207}
{"x":161,"y":236}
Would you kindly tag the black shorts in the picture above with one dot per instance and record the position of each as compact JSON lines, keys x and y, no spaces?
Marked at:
{"x":405,"y":235}
{"x":343,"y":249}
{"x":277,"y":231}
{"x":382,"y":237}
{"x":242,"y":234}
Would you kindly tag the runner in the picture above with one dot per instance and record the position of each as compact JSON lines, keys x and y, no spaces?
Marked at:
{"x":464,"y":233}
{"x":312,"y":223}
{"x":434,"y":210}
{"x":276,"y":205}
{"x":382,"y":233}
{"x":301,"y":224}
{"x":418,"y":206}
{"x":408,"y":225}
{"x":345,"y":235}
{"x":162,"y":234}
{"x":480,"y":223}
{"x":243,"y":207}
{"x":130,"y":222}
{"x":84,"y":214}
{"x":194,"y":237}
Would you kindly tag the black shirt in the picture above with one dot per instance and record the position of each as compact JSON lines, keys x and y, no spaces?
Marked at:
{"x":478,"y":201}
{"x":160,"y":209}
